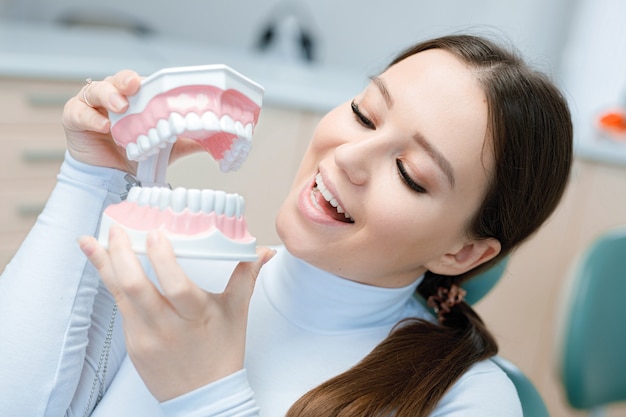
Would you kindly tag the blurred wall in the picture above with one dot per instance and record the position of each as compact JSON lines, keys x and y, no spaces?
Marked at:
{"x":594,"y":62}
{"x":355,"y":34}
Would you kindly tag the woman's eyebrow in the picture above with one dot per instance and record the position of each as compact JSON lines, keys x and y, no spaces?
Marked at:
{"x":383,"y":90}
{"x":437,"y":156}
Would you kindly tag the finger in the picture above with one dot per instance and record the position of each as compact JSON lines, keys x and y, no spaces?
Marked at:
{"x":103,"y":95}
{"x":88,"y":110}
{"x":130,"y":276}
{"x":127,"y":82}
{"x":78,"y":117}
{"x":241,"y":284}
{"x":184,"y":295}
{"x":110,"y":94}
{"x":99,"y":258}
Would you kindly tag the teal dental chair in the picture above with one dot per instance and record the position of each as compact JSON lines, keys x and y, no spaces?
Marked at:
{"x":477,"y":287}
{"x":593,"y":345}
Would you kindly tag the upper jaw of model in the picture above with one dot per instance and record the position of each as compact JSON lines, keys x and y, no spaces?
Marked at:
{"x":213,"y":105}
{"x":218,"y":108}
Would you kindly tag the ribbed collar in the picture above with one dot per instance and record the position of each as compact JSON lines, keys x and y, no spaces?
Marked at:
{"x":325,"y":303}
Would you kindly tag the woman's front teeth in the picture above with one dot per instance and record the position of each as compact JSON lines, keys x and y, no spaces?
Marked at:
{"x":319,"y":182}
{"x":193,"y":200}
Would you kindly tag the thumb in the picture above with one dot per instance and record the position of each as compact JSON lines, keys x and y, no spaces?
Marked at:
{"x":241,"y":284}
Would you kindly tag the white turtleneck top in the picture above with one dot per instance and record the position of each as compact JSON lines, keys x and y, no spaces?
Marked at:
{"x":305,"y":326}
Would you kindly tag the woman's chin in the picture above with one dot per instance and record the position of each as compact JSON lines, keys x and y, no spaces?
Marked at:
{"x":284,"y":227}
{"x":185,"y":147}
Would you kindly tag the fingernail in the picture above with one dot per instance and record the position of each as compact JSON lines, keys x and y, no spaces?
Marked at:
{"x":114,"y":231}
{"x":126,"y":81}
{"x":153,"y":239}
{"x":86,"y":245}
{"x":270,"y":254}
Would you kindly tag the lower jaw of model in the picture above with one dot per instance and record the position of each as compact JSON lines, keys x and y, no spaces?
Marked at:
{"x":199,"y":223}
{"x":194,"y":103}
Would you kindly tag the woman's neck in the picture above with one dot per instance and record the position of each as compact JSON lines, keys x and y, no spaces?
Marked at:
{"x":323,"y":302}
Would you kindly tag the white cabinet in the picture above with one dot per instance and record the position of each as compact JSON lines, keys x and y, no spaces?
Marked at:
{"x":31,"y":150}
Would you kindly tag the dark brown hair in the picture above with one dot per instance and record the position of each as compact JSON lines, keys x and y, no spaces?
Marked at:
{"x":531,"y":138}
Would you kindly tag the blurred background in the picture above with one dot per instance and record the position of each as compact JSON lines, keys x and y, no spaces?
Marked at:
{"x":351,"y":34}
{"x":311,"y":55}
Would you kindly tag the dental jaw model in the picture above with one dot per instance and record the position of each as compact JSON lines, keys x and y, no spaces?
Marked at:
{"x":216,"y":107}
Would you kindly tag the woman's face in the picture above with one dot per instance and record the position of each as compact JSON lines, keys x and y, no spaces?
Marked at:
{"x":391,"y":179}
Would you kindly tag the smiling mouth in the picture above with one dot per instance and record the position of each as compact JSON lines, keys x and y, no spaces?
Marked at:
{"x":328,"y":203}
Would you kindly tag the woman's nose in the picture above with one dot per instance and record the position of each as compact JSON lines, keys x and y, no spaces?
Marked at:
{"x":357,"y":158}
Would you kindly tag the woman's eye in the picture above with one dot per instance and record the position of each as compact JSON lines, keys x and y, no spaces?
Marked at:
{"x":361,"y":118}
{"x":408,"y":180}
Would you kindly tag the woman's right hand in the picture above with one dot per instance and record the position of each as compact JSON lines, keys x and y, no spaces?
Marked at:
{"x":87,"y":126}
{"x":182,"y":337}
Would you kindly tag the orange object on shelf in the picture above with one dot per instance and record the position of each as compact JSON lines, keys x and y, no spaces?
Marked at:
{"x":614,"y":120}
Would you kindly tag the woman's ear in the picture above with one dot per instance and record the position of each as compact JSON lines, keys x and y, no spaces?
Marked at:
{"x":471,"y":255}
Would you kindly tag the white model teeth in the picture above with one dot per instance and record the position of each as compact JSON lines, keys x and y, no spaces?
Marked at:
{"x":163,"y":129}
{"x":210,"y":119}
{"x":165,"y":197}
{"x":178,"y":123}
{"x":220,"y":201}
{"x":319,"y":182}
{"x":193,"y":200}
{"x":227,"y":124}
{"x":179,"y":200}
{"x":233,"y":158}
{"x":167,"y":130}
{"x":193,"y":122}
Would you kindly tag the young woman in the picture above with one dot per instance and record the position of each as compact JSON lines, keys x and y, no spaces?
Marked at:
{"x":448,"y":160}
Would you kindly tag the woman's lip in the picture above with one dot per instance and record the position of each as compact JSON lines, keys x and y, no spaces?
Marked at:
{"x":311,"y":209}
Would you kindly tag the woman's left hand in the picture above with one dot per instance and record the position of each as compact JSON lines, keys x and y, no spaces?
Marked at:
{"x":183,"y":338}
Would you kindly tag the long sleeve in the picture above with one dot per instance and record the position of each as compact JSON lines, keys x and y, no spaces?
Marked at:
{"x":228,"y":397}
{"x":54,"y":311}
